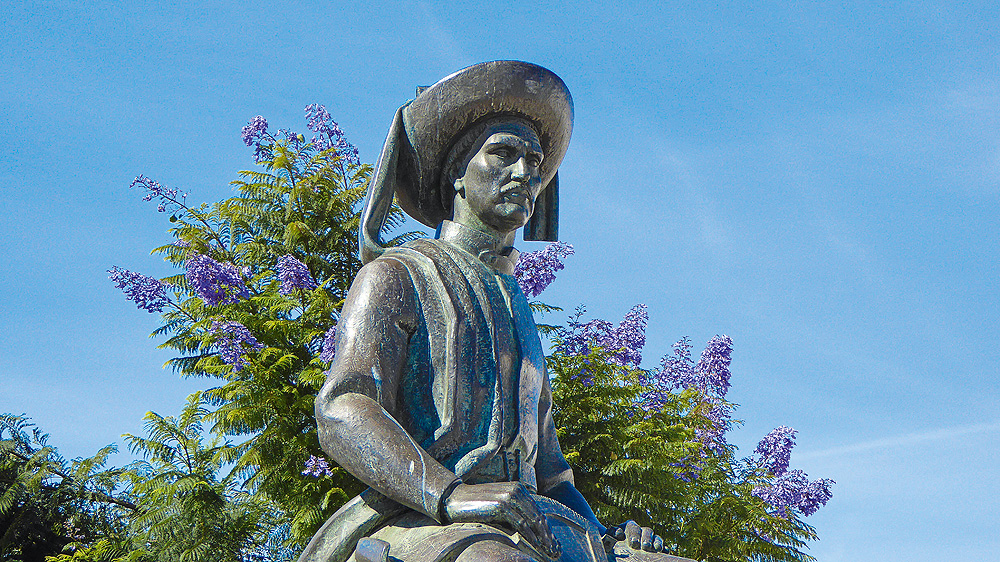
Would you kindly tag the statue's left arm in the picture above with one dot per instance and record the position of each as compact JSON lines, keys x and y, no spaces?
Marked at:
{"x":555,"y":480}
{"x":553,"y":473}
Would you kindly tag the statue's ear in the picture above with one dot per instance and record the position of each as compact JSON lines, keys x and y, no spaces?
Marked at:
{"x":381,"y":190}
{"x":544,"y":222}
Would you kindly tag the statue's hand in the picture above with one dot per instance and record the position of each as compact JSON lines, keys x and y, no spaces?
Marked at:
{"x":636,"y":537}
{"x":507,"y":504}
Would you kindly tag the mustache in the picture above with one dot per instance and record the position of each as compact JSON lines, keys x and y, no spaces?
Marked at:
{"x":518,"y":187}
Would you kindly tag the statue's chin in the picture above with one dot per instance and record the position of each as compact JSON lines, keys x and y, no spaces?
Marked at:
{"x":501,"y":219}
{"x":511,"y":216}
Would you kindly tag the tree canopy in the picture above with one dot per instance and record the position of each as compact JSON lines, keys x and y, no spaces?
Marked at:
{"x":239,"y":474}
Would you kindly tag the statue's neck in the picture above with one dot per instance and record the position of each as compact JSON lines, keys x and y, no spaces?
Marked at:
{"x":496,"y":252}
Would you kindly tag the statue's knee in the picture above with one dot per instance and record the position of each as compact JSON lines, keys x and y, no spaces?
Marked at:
{"x":493,"y":551}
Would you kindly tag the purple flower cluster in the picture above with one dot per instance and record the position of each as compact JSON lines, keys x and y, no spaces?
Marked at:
{"x":168,"y":198}
{"x":788,"y":489}
{"x":624,"y":342}
{"x":329,"y":345}
{"x":255,"y":130}
{"x":714,"y":437}
{"x":254,"y":134}
{"x":710,"y":375}
{"x":630,"y":336}
{"x":329,"y":135}
{"x":584,"y":374}
{"x":815,"y":495}
{"x":713,"y":368}
{"x":794,"y":490}
{"x":536,"y":270}
{"x":687,"y":472}
{"x":319,"y":120}
{"x":578,"y":337}
{"x":655,"y":400}
{"x":216,"y":283}
{"x":294,"y":275}
{"x":677,"y":370}
{"x":317,"y":467}
{"x":234,"y":340}
{"x":147,"y":293}
{"x":775,"y":449}
{"x":784,"y":492}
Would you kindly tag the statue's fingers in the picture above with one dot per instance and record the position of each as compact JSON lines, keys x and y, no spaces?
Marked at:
{"x":538,"y":535}
{"x":633,"y":534}
{"x":657,"y":543}
{"x":647,"y":539}
{"x":528,"y":534}
{"x":552,"y":547}
{"x":620,"y":532}
{"x":523,"y":514}
{"x":539,"y":526}
{"x":525,"y":508}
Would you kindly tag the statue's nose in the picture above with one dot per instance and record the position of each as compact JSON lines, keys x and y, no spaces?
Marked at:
{"x":521,"y":171}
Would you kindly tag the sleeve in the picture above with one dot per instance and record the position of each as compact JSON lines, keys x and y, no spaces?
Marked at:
{"x":355,"y":408}
{"x":373,"y":333}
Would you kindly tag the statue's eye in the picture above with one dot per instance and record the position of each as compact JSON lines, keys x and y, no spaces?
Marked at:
{"x":504,"y":152}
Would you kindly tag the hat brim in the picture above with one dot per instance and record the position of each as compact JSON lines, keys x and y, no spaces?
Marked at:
{"x":442,"y":113}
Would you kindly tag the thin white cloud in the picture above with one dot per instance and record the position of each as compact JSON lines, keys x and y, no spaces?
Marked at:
{"x":910,"y":439}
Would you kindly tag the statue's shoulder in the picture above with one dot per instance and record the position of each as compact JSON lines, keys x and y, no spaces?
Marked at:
{"x":419,"y":252}
{"x":401,"y":266}
{"x":401,"y":258}
{"x":387,"y":276}
{"x":422,"y":245}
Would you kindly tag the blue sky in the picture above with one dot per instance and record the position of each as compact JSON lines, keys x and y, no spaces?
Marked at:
{"x":819,"y":182}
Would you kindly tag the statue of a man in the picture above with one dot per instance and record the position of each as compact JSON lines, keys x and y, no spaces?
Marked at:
{"x":438,"y":397}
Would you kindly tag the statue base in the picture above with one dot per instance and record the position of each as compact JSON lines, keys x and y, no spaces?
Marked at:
{"x":340,"y":539}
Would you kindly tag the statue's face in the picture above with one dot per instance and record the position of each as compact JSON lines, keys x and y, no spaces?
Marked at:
{"x":501,"y":180}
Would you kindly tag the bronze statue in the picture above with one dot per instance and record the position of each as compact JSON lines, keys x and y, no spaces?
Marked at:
{"x":438,"y":397}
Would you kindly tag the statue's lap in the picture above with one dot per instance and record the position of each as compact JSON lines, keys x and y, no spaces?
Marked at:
{"x":415,"y":537}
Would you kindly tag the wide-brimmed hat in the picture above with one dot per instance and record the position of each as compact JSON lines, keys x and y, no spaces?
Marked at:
{"x":425,"y":129}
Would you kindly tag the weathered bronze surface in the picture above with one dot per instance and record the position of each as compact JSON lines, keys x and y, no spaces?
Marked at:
{"x":438,"y":397}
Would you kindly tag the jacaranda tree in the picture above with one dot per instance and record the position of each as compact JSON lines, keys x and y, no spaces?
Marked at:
{"x":650,"y":445}
{"x":263,"y":277}
{"x":253,"y":309}
{"x":48,"y":503}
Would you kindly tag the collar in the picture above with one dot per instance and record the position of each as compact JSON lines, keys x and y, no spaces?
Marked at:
{"x":487,"y":247}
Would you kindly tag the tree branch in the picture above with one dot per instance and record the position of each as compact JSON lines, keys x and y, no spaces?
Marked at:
{"x":100,"y":496}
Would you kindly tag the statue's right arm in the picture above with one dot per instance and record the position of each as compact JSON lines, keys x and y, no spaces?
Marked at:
{"x":355,"y":428}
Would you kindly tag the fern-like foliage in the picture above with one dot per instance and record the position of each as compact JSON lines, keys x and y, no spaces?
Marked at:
{"x":186,"y":508}
{"x":48,"y":504}
{"x":648,"y":464}
{"x":182,"y":504}
{"x":259,"y":337}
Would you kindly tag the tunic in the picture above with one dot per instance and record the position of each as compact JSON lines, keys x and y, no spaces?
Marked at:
{"x":454,"y":357}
